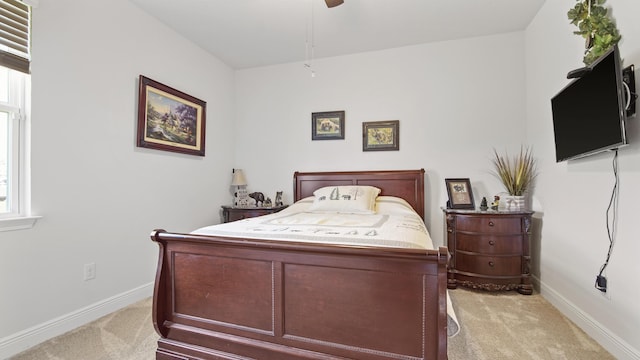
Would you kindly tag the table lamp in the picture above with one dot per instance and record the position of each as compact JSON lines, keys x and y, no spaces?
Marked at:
{"x":241,"y":198}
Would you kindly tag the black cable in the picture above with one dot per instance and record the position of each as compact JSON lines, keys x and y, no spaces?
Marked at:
{"x":601,"y":282}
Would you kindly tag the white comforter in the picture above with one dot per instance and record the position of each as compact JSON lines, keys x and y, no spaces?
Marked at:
{"x":395,"y":224}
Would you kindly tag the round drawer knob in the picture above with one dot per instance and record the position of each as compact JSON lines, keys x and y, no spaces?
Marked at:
{"x":491,"y":263}
{"x":491,"y":223}
{"x":450,"y":230}
{"x":491,"y":242}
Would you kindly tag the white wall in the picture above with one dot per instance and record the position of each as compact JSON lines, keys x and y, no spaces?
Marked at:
{"x":455,"y":101}
{"x":100,"y":196}
{"x":573,"y":196}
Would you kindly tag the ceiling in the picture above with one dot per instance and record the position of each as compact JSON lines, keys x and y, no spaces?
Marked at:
{"x":252,"y":33}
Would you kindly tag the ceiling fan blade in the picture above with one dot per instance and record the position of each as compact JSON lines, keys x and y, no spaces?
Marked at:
{"x":332,"y":3}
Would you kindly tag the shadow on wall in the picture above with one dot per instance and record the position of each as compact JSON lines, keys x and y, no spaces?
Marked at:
{"x":536,"y":247}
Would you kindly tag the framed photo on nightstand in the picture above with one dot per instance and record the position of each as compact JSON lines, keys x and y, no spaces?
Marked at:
{"x":460,"y":194}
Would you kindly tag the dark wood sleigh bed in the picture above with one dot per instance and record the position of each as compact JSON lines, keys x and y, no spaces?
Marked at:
{"x":230,"y":298}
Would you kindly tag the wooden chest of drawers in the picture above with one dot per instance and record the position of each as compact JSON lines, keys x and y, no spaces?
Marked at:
{"x":489,"y":249}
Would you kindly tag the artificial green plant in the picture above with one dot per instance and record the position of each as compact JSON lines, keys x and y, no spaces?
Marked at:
{"x":596,"y":26}
{"x":517,"y":173}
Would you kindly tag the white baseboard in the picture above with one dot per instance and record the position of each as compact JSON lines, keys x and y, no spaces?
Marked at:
{"x":619,"y":348}
{"x":18,"y":342}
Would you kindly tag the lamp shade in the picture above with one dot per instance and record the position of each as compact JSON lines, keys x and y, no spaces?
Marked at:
{"x":238,"y":178}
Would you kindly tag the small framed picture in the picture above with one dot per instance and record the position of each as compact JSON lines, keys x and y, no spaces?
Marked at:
{"x":460,"y":194}
{"x":169,"y":119}
{"x":381,"y":135}
{"x":327,"y":125}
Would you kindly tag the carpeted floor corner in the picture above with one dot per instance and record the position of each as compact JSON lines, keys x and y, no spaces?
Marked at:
{"x":124,"y":334}
{"x":508,"y":325}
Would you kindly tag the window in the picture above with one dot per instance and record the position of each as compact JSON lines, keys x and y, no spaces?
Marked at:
{"x":14,"y":100}
{"x":12,"y":133}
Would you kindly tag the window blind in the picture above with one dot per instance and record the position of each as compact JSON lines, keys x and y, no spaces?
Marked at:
{"x":15,"y":25}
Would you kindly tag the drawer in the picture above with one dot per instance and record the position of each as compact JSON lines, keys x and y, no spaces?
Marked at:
{"x":245,"y":214}
{"x":233,"y":214}
{"x":236,"y":215}
{"x":489,"y":265}
{"x":489,"y":244}
{"x":488,"y":224}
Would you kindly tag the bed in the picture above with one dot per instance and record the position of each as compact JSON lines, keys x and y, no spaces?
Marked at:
{"x":230,"y":297}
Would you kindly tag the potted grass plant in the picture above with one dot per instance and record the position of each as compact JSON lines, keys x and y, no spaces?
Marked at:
{"x":516,"y":174}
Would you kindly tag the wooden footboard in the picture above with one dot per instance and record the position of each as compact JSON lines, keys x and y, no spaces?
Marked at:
{"x":223,"y":298}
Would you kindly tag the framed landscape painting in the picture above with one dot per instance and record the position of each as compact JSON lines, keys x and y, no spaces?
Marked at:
{"x":169,"y":119}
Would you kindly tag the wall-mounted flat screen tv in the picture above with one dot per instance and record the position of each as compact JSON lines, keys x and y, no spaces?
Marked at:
{"x":589,"y":113}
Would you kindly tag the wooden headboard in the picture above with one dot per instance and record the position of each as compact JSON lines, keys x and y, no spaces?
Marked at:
{"x":406,"y":184}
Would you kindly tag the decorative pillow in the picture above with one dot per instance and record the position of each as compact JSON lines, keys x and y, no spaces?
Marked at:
{"x":351,"y":199}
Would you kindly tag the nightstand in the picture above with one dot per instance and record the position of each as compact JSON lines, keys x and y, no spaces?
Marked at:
{"x":230,"y":213}
{"x":489,"y":249}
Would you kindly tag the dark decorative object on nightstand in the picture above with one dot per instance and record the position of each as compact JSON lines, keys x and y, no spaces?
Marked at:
{"x":258,"y":197}
{"x":483,"y":204}
{"x":278,"y":201}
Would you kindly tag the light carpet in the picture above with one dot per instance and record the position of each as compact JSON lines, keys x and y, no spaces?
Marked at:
{"x":502,"y":325}
{"x":124,"y":334}
{"x":508,"y":325}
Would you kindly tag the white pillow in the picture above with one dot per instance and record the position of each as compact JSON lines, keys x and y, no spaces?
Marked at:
{"x":351,"y":199}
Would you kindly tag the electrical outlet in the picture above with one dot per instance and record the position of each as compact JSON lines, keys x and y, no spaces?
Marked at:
{"x":603,"y":285}
{"x":89,"y":271}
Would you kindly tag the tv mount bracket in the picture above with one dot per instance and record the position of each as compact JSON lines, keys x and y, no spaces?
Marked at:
{"x":628,"y":81}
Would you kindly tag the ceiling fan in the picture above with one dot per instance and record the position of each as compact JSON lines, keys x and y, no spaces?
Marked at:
{"x":333,"y":3}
